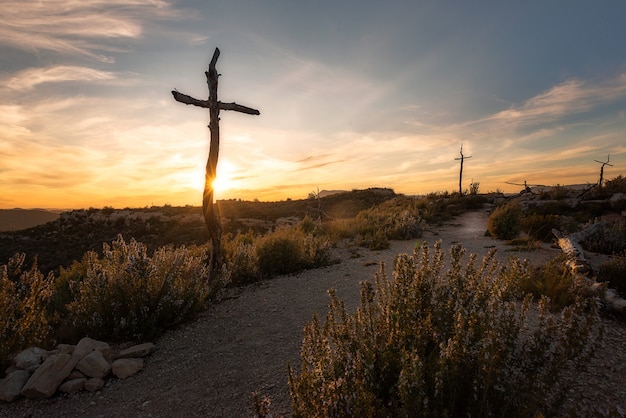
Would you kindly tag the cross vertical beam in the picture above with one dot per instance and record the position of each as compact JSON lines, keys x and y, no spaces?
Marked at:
{"x":211,"y":217}
{"x":608,"y":158}
{"x":462,"y":158}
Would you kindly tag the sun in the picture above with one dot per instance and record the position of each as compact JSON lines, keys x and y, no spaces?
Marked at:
{"x":222,"y":182}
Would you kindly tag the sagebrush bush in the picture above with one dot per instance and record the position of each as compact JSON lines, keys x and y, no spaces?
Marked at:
{"x":127,"y":294}
{"x":289,"y":250}
{"x":553,"y":280}
{"x":438,"y":343}
{"x":539,"y":226}
{"x":614,"y":272}
{"x":242,"y":261}
{"x":505,"y":221}
{"x":25,"y":295}
{"x":395,"y":219}
{"x":609,"y":239}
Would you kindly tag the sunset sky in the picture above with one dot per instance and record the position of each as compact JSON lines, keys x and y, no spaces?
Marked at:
{"x":352,"y":94}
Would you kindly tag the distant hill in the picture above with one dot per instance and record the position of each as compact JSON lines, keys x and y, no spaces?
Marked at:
{"x":69,"y":235}
{"x":17,"y":219}
{"x":325,"y":193}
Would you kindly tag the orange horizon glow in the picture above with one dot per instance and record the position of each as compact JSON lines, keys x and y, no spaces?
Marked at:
{"x":350,"y":98}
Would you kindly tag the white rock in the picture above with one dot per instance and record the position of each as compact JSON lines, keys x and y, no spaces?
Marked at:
{"x":94,"y":384}
{"x":87,"y":345}
{"x":47,"y":378}
{"x":30,"y":359}
{"x":126,"y":367}
{"x":11,"y":386}
{"x":74,"y":385}
{"x":94,"y":365}
{"x":135,"y":351}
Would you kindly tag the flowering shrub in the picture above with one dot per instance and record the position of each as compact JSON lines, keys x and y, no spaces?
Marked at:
{"x":539,"y":226}
{"x":435,"y":343}
{"x":128,"y":294}
{"x":396,"y":219}
{"x":614,"y":272}
{"x":288,"y":250}
{"x":504,"y":222}
{"x":554,"y":280}
{"x":609,"y":239}
{"x":24,"y":299}
{"x":240,"y":256}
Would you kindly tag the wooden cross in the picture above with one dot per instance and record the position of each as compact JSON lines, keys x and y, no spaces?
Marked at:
{"x":211,"y":217}
{"x":461,"y":175}
{"x":608,"y":158}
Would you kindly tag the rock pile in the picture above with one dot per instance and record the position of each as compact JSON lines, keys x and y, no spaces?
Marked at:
{"x":37,"y":373}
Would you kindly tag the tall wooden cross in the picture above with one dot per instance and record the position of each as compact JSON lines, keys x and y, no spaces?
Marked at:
{"x":461,"y":174}
{"x":608,"y":158}
{"x":211,"y":217}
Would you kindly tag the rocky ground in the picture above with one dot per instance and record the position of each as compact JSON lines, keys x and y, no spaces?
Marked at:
{"x":243,"y":344}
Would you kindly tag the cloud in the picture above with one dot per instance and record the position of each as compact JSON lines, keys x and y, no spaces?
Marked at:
{"x":76,"y":27}
{"x":568,"y":98}
{"x":29,"y":78}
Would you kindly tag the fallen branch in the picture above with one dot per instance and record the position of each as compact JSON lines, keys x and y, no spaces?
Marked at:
{"x":576,"y":263}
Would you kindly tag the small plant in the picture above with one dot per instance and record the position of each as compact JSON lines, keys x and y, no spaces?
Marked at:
{"x":474,"y":187}
{"x":397,"y":219}
{"x":552,"y":280}
{"x":24,"y":299}
{"x":242,"y":260}
{"x":609,"y":239}
{"x":437,"y":343}
{"x":540,"y":226}
{"x":289,"y":250}
{"x":614,"y":272}
{"x":505,"y":221}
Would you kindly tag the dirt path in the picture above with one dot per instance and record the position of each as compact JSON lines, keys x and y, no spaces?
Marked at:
{"x":243,"y":344}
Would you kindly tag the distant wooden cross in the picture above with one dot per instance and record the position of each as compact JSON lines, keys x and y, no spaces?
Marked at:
{"x":462,"y":158}
{"x":602,"y":168}
{"x":211,"y":217}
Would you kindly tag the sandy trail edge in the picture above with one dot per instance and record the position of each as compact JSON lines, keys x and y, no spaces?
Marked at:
{"x":243,"y":344}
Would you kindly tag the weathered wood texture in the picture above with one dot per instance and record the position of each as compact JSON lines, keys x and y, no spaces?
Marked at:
{"x":211,"y":217}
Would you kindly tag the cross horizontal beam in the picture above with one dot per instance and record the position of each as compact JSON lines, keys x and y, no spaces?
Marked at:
{"x":188,"y":100}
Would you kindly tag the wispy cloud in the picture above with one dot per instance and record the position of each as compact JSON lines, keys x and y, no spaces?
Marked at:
{"x":76,"y":27}
{"x":566,"y":99}
{"x":31,"y":77}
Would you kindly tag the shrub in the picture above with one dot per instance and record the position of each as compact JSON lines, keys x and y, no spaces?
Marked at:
{"x":442,"y":344}
{"x":242,"y":261}
{"x":539,"y":226}
{"x":289,"y":250}
{"x":397,"y":219}
{"x":126,"y":294}
{"x":553,"y":280}
{"x":24,"y":299}
{"x":504,"y":221}
{"x":614,"y":272}
{"x":610,"y":238}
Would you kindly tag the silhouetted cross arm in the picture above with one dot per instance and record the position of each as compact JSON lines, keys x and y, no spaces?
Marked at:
{"x":188,"y":100}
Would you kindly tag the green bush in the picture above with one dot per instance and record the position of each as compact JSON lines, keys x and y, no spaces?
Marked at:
{"x":24,"y":299}
{"x":242,"y":261}
{"x":614,"y":272}
{"x":505,"y":221}
{"x":553,"y":280}
{"x":289,"y":250}
{"x":609,"y":239}
{"x":395,"y":219}
{"x":436,"y":344}
{"x":539,"y":226}
{"x":126,"y":294}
